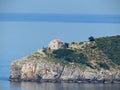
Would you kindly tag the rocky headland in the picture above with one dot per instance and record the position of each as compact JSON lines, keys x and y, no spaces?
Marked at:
{"x":82,"y":62}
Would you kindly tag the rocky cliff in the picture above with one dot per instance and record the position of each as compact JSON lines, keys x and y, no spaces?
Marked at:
{"x":42,"y":70}
{"x":87,"y":63}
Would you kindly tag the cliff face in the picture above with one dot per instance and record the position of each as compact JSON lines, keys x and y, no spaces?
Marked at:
{"x":42,"y":70}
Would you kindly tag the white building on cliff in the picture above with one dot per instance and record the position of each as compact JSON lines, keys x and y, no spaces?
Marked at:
{"x":55,"y":44}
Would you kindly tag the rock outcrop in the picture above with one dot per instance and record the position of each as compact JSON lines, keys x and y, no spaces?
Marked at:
{"x":41,"y":70}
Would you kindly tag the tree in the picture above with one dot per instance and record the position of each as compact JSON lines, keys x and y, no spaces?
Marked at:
{"x":91,"y":38}
{"x":66,"y":45}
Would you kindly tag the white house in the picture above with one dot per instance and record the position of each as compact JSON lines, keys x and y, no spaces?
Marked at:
{"x":55,"y":44}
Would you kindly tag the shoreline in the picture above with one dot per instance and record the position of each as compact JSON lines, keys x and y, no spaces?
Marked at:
{"x":86,"y":81}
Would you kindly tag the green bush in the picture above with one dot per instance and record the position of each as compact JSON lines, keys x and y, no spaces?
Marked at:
{"x":80,"y":58}
{"x":66,"y":45}
{"x":104,"y":65}
{"x":70,"y":56}
{"x":73,"y":43}
{"x":63,"y":53}
{"x":91,"y":38}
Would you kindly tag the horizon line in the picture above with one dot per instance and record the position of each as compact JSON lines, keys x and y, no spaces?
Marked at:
{"x":63,"y":18}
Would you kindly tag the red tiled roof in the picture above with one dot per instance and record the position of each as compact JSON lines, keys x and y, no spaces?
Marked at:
{"x":59,"y":41}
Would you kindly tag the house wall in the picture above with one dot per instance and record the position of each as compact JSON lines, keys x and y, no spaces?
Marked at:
{"x":55,"y":45}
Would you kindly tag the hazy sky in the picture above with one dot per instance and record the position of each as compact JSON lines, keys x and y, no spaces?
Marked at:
{"x":21,"y":35}
{"x":61,"y":6}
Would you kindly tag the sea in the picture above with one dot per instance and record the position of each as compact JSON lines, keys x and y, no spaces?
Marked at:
{"x":5,"y":84}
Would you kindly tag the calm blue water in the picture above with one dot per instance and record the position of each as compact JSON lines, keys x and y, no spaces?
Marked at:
{"x":6,"y":85}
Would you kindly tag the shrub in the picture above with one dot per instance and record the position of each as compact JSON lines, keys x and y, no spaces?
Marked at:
{"x":73,"y":43}
{"x":63,"y":53}
{"x":66,"y":45}
{"x":80,"y":58}
{"x":104,"y":65}
{"x":91,"y":38}
{"x":70,"y":56}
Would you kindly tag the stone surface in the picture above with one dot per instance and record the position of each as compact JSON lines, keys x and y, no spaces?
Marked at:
{"x":43,"y":70}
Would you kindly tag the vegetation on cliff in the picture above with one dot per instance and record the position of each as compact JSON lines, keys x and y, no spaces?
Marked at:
{"x":111,"y":47}
{"x":70,"y":56}
{"x":96,"y":53}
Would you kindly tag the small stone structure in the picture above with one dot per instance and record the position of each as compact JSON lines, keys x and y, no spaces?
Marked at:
{"x":55,"y":44}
